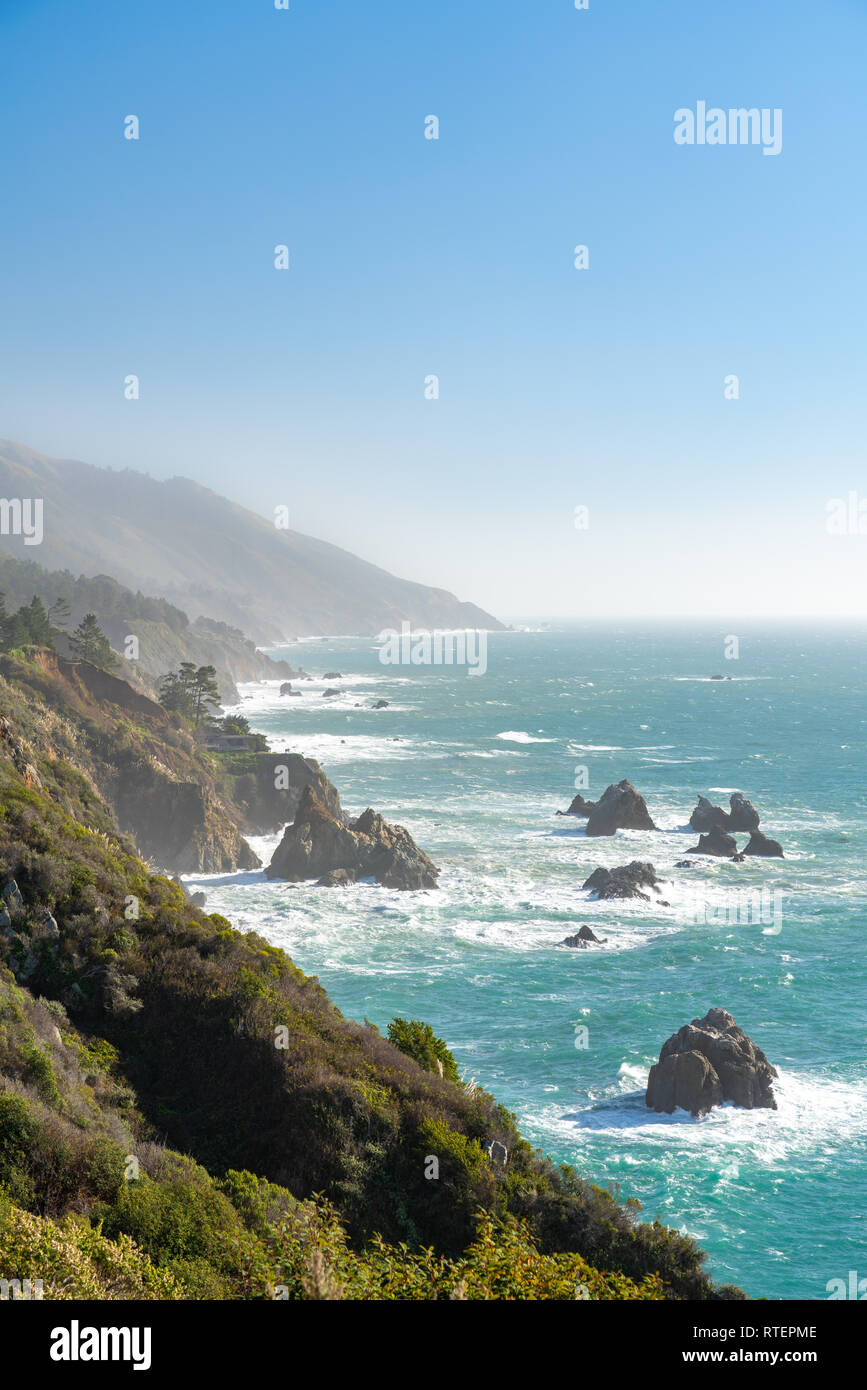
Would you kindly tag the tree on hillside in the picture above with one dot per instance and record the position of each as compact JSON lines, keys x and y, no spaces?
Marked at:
{"x":28,"y":627}
{"x":206,"y":694}
{"x":58,"y":613}
{"x":89,"y":643}
{"x":37,"y":622}
{"x":237,"y":724}
{"x":191,"y":691}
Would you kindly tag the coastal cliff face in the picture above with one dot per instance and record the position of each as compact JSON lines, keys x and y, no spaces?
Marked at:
{"x":158,"y":783}
{"x":181,"y":826}
{"x":266,"y":789}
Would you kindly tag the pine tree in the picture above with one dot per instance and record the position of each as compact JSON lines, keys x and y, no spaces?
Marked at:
{"x":36,"y":618}
{"x":206,"y":695}
{"x":89,"y":643}
{"x":58,"y":613}
{"x":191,"y":691}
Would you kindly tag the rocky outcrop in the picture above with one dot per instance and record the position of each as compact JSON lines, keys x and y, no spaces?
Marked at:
{"x":320,"y":845}
{"x":628,"y":881}
{"x":619,"y":808}
{"x":180,"y":826}
{"x":742,"y":816}
{"x":380,"y":704}
{"x":708,"y":817}
{"x":716,"y":842}
{"x":760,"y":844}
{"x":583,"y":939}
{"x":706,"y":1063}
{"x":579,"y":807}
{"x":12,"y":748}
{"x":329,"y":694}
{"x":265,"y":789}
{"x":333,"y":676}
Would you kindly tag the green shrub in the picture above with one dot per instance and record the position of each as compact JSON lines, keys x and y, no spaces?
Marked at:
{"x":418,"y":1040}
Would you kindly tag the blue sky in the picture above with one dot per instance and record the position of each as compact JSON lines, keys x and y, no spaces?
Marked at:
{"x":411,"y":257}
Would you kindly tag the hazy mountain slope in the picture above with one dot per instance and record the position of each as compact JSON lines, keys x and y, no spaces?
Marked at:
{"x":209,"y":555}
{"x":165,"y":634}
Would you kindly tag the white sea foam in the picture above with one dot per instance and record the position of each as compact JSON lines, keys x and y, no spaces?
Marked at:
{"x":518,"y":736}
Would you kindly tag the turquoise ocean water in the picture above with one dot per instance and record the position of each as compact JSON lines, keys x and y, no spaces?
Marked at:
{"x":476,"y":767}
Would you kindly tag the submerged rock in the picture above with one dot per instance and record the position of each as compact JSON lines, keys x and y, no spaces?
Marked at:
{"x":706,"y":1063}
{"x":583,"y":939}
{"x":338,"y":878}
{"x":716,"y":842}
{"x":761,"y":845}
{"x":380,"y":704}
{"x":320,"y":845}
{"x":579,"y":807}
{"x":619,"y":808}
{"x":628,"y":881}
{"x":333,"y":676}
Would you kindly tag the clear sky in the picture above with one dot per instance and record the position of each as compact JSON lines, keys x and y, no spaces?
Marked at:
{"x":411,"y":257}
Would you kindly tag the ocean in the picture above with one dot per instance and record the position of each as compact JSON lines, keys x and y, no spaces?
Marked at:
{"x":476,"y":767}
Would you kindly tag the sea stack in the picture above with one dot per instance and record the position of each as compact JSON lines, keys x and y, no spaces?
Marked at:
{"x":716,"y":842}
{"x":619,"y":808}
{"x":321,"y":845}
{"x":627,"y":881}
{"x":706,"y":1063}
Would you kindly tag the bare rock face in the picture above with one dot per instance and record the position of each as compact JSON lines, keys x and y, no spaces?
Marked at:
{"x":761,"y":845}
{"x":707,"y":817}
{"x":266,"y":789}
{"x":628,"y":881}
{"x":320,"y":845}
{"x":744,"y":815}
{"x":579,"y":807}
{"x":716,"y":842}
{"x":619,"y":808}
{"x":706,"y":1063}
{"x":182,"y":826}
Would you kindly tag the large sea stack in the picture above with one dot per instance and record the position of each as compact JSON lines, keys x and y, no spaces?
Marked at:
{"x":323,"y":844}
{"x":706,"y":1063}
{"x":619,"y":808}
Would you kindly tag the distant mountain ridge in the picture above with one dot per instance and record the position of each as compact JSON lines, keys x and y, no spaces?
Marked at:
{"x":210,"y":556}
